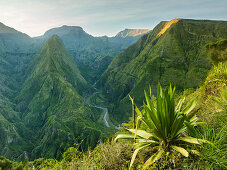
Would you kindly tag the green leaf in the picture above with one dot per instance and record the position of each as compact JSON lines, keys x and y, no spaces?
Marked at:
{"x":190,"y":106}
{"x":152,"y":159}
{"x":190,"y":128}
{"x":181,"y":150}
{"x":146,"y":141}
{"x":155,"y":121}
{"x":193,"y":140}
{"x":179,"y":105}
{"x":124,"y":136}
{"x":135,"y":153}
{"x":141,"y":133}
{"x":139,"y":113}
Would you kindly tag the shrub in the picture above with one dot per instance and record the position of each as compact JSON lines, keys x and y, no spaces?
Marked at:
{"x":167,"y":126}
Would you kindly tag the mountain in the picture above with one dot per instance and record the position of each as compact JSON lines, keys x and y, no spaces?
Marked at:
{"x":173,"y":52}
{"x":74,"y":37}
{"x":51,"y":105}
{"x":126,"y":38}
{"x":92,"y":53}
{"x":84,"y":48}
{"x":41,"y":89}
{"x":14,"y":41}
{"x":16,"y":51}
{"x":132,"y":33}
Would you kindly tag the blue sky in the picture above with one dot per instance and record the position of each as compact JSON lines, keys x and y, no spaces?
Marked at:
{"x":104,"y":17}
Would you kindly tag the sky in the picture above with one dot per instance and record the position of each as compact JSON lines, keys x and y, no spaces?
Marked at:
{"x":104,"y":17}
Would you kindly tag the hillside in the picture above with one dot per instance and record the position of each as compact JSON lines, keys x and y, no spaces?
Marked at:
{"x":173,"y":52}
{"x":51,"y":105}
{"x":211,"y":108}
{"x":41,"y":92}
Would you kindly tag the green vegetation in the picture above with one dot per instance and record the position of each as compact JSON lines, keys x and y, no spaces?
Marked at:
{"x":93,"y":54}
{"x":178,"y":56}
{"x":43,"y":114}
{"x":42,"y":108}
{"x":117,"y":155}
{"x":218,"y":51}
{"x":6,"y":164}
{"x":167,"y":125}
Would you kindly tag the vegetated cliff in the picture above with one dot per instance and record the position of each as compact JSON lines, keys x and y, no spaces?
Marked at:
{"x":51,"y":105}
{"x":173,"y":52}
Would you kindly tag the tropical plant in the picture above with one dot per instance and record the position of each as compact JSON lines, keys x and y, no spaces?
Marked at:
{"x":166,"y":126}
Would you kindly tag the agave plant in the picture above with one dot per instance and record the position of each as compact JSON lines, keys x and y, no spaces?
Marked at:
{"x":166,"y":126}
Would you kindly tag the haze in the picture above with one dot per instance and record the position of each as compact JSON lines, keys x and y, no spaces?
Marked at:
{"x":104,"y":17}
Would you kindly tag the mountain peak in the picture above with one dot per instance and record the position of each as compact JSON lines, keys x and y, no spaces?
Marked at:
{"x":64,"y":30}
{"x":132,"y":32}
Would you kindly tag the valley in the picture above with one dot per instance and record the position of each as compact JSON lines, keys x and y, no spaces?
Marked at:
{"x":42,"y":82}
{"x":104,"y":109}
{"x":68,"y":88}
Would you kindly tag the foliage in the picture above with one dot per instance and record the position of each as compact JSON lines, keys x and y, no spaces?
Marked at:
{"x":6,"y":164}
{"x":70,"y":153}
{"x":218,"y":51}
{"x":212,"y":156}
{"x":44,"y":163}
{"x":167,"y":126}
{"x":110,"y":155}
{"x":178,"y":56}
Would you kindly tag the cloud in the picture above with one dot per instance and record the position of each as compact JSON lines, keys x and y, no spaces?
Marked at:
{"x":101,"y":17}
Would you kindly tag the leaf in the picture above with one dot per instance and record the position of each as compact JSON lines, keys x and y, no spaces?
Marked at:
{"x":146,"y":141}
{"x":154,"y":120}
{"x":193,"y":140}
{"x":141,"y":133}
{"x":190,"y":106}
{"x":135,"y":153}
{"x":190,"y":128}
{"x":139,"y":113}
{"x":124,"y":136}
{"x":152,"y":159}
{"x":179,"y":105}
{"x":181,"y":150}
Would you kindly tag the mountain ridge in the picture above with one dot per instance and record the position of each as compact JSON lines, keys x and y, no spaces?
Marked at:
{"x":52,"y":105}
{"x":178,"y":55}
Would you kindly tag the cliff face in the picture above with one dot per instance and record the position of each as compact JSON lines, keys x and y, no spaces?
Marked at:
{"x":126,"y":38}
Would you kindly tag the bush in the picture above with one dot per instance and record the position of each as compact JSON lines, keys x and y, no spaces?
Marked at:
{"x":167,"y":127}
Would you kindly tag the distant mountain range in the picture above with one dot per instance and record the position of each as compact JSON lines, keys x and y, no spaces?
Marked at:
{"x":126,"y":37}
{"x":92,"y":52}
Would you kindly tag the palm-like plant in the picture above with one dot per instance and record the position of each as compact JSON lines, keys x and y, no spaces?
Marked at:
{"x":166,"y":124}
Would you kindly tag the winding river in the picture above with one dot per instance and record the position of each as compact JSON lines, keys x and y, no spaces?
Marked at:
{"x":106,"y":113}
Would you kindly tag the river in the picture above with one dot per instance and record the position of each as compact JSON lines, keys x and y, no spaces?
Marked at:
{"x":106,"y":113}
